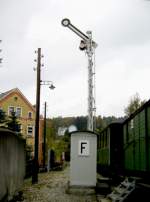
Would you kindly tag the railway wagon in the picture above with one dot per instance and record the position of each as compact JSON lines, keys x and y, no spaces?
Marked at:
{"x":110,"y":150}
{"x":124,"y":148}
{"x":136,"y":142}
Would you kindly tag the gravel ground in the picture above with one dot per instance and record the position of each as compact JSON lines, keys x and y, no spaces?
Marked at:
{"x":52,"y":187}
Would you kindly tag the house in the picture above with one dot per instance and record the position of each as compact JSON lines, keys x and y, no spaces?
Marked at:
{"x":14,"y":101}
{"x":61,"y":131}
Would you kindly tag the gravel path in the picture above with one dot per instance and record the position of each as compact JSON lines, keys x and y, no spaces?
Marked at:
{"x":52,"y":187}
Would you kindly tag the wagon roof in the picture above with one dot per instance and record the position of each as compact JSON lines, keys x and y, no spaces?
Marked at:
{"x":145,"y":105}
{"x":111,"y":125}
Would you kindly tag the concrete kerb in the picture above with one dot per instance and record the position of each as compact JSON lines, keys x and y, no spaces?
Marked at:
{"x":80,"y":190}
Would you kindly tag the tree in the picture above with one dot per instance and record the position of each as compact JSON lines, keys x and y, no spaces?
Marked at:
{"x":100,"y":124}
{"x":134,"y":103}
{"x":2,"y":118}
{"x":13,"y":123}
{"x":81,"y":122}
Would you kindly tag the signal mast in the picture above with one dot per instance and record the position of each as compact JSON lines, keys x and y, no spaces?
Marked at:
{"x":87,"y":45}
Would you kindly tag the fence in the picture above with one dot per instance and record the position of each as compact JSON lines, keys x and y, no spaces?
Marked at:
{"x":12,"y":163}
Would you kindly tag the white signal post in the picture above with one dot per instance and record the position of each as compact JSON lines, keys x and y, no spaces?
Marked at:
{"x":1,"y":51}
{"x":89,"y":46}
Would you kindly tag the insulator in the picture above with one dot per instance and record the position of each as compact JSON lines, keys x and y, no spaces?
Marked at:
{"x":52,"y":87}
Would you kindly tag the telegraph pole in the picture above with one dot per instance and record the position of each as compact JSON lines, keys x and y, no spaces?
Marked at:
{"x":44,"y":138}
{"x":39,"y":82}
{"x":36,"y":143}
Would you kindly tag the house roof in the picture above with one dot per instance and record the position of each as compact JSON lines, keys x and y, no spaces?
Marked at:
{"x":2,"y":95}
{"x":6,"y":94}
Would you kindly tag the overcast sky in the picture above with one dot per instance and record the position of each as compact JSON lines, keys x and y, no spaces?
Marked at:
{"x":120,"y":27}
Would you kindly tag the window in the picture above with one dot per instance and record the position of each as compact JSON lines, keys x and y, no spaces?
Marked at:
{"x":30,"y":115}
{"x":102,"y":141}
{"x":106,"y":143}
{"x":98,"y":142}
{"x":127,"y":133}
{"x":29,"y":130}
{"x":131,"y":124}
{"x":11,"y":110}
{"x":18,"y":111}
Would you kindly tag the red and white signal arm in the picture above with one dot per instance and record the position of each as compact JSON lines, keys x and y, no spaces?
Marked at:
{"x":83,"y":148}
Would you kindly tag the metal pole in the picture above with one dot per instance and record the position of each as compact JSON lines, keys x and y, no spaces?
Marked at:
{"x":35,"y":160}
{"x":44,"y":139}
{"x":1,"y":51}
{"x":91,"y":107}
{"x":88,"y":45}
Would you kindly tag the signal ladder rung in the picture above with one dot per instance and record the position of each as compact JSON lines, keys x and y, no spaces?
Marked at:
{"x":120,"y":193}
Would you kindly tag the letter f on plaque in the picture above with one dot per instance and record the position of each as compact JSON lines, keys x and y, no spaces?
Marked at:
{"x":83,"y":148}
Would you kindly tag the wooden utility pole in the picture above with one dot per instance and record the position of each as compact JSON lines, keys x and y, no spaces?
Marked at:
{"x":36,"y":143}
{"x":44,"y":136}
